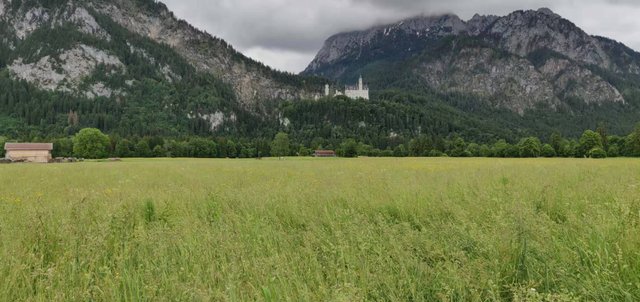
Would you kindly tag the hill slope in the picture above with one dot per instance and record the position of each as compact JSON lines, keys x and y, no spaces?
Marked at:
{"x":129,"y":67}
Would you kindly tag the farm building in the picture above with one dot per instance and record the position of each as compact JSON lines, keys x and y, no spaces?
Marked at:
{"x":33,"y":153}
{"x":324,"y":153}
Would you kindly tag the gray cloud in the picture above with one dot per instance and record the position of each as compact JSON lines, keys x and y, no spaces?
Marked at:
{"x":286,"y":34}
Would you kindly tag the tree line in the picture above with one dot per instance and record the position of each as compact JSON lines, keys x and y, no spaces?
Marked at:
{"x":91,"y":143}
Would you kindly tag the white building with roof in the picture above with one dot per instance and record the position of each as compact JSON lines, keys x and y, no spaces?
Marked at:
{"x":359,"y":91}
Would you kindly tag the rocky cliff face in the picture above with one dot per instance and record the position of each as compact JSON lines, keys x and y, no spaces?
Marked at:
{"x":341,"y":45}
{"x":251,"y":81}
{"x":518,"y":61}
{"x":68,"y":69}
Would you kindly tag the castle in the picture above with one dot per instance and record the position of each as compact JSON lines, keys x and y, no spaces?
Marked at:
{"x":359,"y":91}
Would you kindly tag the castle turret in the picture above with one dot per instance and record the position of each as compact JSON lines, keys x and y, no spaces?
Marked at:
{"x":326,"y":90}
{"x":358,"y":91}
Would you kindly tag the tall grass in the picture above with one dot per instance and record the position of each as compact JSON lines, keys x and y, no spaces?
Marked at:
{"x":321,"y":230}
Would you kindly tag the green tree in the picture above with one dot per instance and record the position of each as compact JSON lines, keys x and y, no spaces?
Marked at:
{"x":400,"y":151}
{"x":458,"y":148}
{"x":485,"y":151}
{"x":159,"y":151}
{"x":614,"y":151}
{"x":588,"y":141}
{"x":500,"y":148}
{"x":548,"y":151}
{"x":177,"y":149}
{"x":280,"y":145}
{"x":420,"y":146}
{"x":474,"y":149}
{"x":263,"y":147}
{"x":530,"y":147}
{"x":349,"y":148}
{"x":123,"y":148}
{"x":602,"y":130}
{"x":556,"y":142}
{"x":3,"y":140}
{"x":303,"y":151}
{"x":201,"y":148}
{"x":597,"y":153}
{"x":91,"y":143}
{"x":142,"y":149}
{"x":632,"y":143}
{"x":512,"y":151}
{"x":63,"y":147}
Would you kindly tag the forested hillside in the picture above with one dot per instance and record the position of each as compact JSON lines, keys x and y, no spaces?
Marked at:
{"x":132,"y":70}
{"x":542,"y":68}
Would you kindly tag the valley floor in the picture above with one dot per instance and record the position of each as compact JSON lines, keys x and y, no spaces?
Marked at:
{"x":382,"y":229}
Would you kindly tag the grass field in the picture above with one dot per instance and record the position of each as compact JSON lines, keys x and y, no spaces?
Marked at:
{"x":321,"y":230}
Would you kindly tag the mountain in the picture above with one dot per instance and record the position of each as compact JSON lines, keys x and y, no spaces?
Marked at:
{"x":129,"y":67}
{"x":138,"y":73}
{"x":521,"y":62}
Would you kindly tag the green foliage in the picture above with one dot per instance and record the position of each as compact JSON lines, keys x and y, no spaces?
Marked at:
{"x":530,"y":147}
{"x":200,"y":148}
{"x":614,"y":151}
{"x":589,"y":141}
{"x":349,"y":148}
{"x":548,"y":151}
{"x":280,"y":145}
{"x":159,"y":151}
{"x":420,"y":146}
{"x":632,"y":143}
{"x":63,"y":147}
{"x":598,"y":153}
{"x":123,"y":148}
{"x":400,"y":151}
{"x":142,"y":149}
{"x":476,"y":229}
{"x":3,"y":140}
{"x":91,"y":143}
{"x":150,"y":211}
{"x":458,"y":148}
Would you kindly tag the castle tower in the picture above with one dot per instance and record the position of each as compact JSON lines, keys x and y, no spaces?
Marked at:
{"x":360,"y":84}
{"x":326,"y":90}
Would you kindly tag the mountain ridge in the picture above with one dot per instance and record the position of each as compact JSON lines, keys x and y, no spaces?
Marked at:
{"x":252,"y":81}
{"x":521,"y":60}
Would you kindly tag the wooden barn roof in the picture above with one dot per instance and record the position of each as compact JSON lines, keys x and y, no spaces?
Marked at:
{"x":28,"y":147}
{"x":325,"y":152}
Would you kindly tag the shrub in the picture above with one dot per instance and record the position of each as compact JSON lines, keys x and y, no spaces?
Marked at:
{"x":589,"y":141}
{"x":597,"y":153}
{"x":159,"y":151}
{"x":548,"y":151}
{"x":349,"y":148}
{"x":91,"y":143}
{"x":530,"y":147}
{"x":123,"y":148}
{"x":280,"y":145}
{"x":142,"y":149}
{"x":614,"y":151}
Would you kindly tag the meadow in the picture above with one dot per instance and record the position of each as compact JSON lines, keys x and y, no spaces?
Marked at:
{"x":366,"y":229}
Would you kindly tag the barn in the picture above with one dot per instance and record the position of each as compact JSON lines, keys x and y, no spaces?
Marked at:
{"x":33,"y":153}
{"x":324,"y":153}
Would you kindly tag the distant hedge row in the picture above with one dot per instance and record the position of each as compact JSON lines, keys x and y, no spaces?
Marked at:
{"x":92,"y":143}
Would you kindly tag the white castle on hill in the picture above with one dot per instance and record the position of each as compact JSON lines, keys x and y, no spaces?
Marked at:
{"x":359,"y":91}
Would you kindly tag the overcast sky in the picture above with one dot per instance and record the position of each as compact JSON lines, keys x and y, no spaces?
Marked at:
{"x":286,"y":34}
